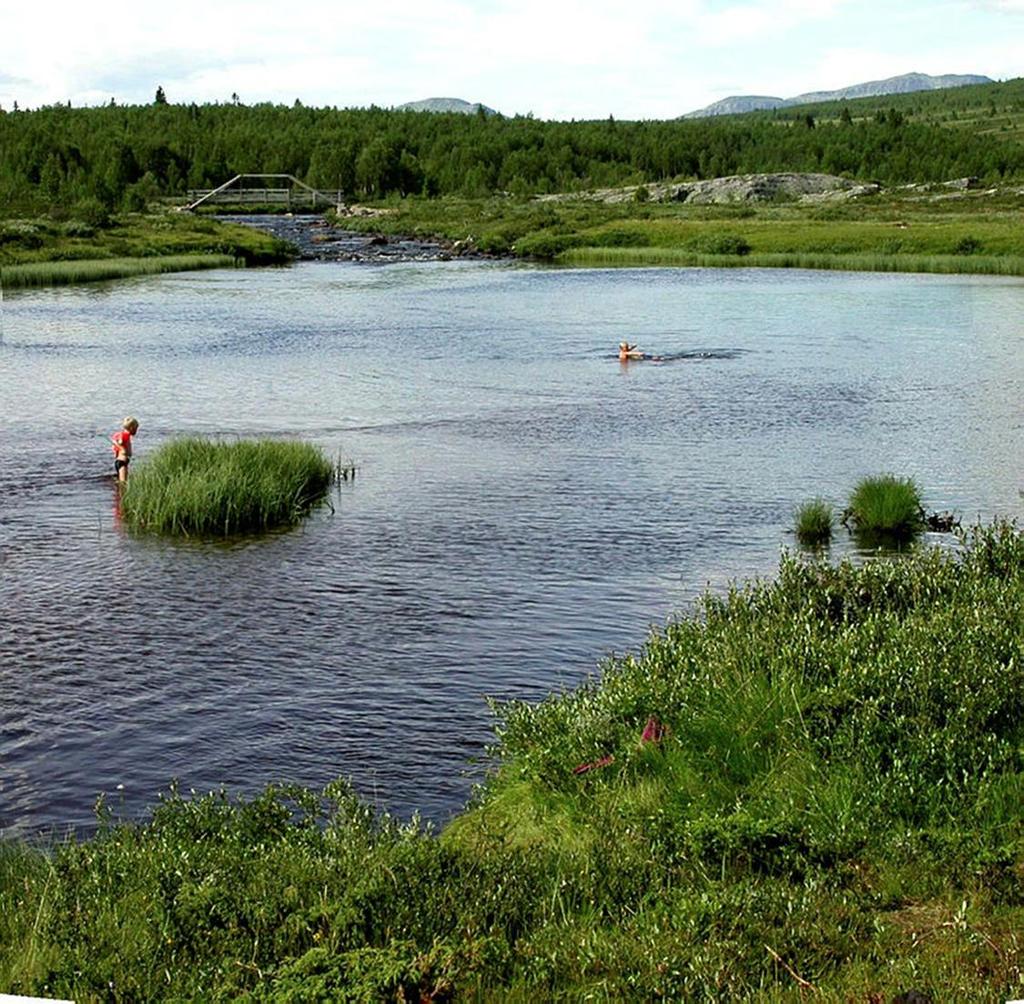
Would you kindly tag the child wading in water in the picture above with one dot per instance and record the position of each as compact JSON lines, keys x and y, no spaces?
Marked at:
{"x":122,"y":440}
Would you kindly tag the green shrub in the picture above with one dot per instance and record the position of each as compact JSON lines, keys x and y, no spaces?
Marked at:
{"x":886,"y":504}
{"x":78,"y":228}
{"x":200,"y":486}
{"x":731,"y":244}
{"x":967,"y":245}
{"x":814,"y":521}
{"x":20,"y":234}
{"x":619,"y":237}
{"x":93,"y":212}
{"x":546,"y":244}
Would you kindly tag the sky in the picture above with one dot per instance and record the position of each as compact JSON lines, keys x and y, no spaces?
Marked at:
{"x":554,"y":59}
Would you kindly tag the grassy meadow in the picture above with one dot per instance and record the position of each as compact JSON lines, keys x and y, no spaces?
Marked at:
{"x":809,"y":789}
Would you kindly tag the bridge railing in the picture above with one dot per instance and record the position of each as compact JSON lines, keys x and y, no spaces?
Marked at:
{"x":268,"y":196}
{"x":238,"y":191}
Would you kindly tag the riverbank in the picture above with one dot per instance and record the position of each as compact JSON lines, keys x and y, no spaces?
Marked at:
{"x":43,"y":252}
{"x":314,"y":238}
{"x":857,"y":228}
{"x":809,"y":786}
{"x":913,"y":229}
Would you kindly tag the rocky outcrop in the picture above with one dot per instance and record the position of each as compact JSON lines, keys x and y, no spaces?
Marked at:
{"x":766,"y":188}
{"x":735,"y":189}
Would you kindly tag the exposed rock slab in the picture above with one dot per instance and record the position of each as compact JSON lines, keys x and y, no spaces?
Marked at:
{"x":787,"y":187}
{"x":762,"y":188}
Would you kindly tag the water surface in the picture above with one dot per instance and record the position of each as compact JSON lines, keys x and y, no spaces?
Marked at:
{"x":524,"y":505}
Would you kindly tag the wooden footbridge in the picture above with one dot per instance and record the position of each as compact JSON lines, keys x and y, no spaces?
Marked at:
{"x":249,"y":190}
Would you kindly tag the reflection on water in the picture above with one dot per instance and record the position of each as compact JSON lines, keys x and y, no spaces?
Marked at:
{"x":524,"y":504}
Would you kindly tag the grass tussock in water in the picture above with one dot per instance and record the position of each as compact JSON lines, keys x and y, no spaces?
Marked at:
{"x":814,"y":522}
{"x":63,"y":273}
{"x":886,"y":504}
{"x":830,"y":810}
{"x":208,"y":488}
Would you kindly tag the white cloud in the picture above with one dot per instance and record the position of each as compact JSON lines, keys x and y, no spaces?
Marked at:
{"x":762,"y":18}
{"x":557,"y":58}
{"x":999,"y":6}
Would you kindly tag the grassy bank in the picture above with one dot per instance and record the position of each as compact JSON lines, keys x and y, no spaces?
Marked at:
{"x":825,"y":806}
{"x":45,"y":251}
{"x":590,"y":257}
{"x":208,"y":488}
{"x":63,"y":273}
{"x":906,"y":231}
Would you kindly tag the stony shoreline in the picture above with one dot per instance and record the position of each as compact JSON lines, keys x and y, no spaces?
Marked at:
{"x":318,"y":240}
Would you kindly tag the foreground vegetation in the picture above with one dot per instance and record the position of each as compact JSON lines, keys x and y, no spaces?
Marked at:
{"x":809,"y":789}
{"x":208,"y":488}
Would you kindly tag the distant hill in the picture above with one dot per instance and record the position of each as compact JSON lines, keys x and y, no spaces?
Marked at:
{"x":737,"y":105}
{"x":904,"y":84}
{"x":445,"y":105}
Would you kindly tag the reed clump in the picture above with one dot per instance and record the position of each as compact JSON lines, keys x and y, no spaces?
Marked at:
{"x":886,"y":504}
{"x":814,"y":522}
{"x":203,"y":487}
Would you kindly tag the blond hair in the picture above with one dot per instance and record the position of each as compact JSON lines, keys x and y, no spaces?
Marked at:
{"x":131,"y":423}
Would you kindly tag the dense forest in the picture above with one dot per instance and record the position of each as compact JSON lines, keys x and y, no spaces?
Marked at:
{"x":122,"y":157}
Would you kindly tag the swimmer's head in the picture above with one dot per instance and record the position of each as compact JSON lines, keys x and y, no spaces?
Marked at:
{"x":131,"y":424}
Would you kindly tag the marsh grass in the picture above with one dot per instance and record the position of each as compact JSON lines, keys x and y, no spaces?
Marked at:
{"x":886,"y":504}
{"x":62,"y":273}
{"x":202,"y":487}
{"x":839,"y":787}
{"x":628,"y":257}
{"x":814,"y":522}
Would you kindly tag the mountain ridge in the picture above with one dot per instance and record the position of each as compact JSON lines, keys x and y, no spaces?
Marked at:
{"x":904,"y":84}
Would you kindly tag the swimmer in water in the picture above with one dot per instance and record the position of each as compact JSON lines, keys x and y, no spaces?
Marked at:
{"x":628,"y":352}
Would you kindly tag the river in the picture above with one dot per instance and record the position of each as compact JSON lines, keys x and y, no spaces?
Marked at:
{"x":524,"y":504}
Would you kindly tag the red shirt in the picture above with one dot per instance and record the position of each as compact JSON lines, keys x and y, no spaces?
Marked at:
{"x":122,"y":440}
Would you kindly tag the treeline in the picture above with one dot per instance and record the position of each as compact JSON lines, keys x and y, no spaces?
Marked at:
{"x":122,"y":157}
